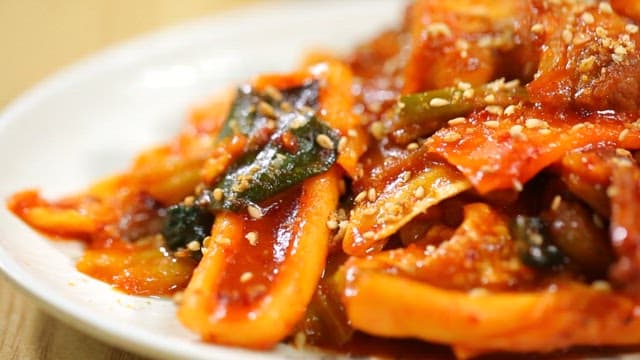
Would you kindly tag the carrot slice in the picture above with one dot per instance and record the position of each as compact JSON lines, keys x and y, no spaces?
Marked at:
{"x":284,"y":251}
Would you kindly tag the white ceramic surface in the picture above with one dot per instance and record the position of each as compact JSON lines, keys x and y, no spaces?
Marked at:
{"x":92,"y":118}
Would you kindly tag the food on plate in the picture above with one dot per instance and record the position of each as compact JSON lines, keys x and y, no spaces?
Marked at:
{"x":469,"y":178}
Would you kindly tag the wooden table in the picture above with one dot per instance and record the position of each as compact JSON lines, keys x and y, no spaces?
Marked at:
{"x":38,"y":37}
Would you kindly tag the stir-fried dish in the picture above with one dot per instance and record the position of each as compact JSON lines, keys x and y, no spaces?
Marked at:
{"x":468,"y":178}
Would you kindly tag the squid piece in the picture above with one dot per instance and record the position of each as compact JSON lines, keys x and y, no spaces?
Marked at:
{"x":589,"y":58}
{"x":473,"y":293}
{"x":505,"y":151}
{"x":424,"y":180}
{"x":258,"y":273}
{"x":468,"y":41}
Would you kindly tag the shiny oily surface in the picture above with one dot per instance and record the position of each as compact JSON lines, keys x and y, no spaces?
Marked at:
{"x":146,"y":87}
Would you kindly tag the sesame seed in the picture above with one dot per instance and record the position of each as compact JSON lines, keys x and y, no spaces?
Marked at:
{"x":377,"y":130}
{"x":537,"y":28}
{"x":588,"y":18}
{"x":457,"y":121}
{"x":193,"y":245}
{"x":623,"y":134}
{"x":438,"y":29}
{"x":324,"y":141}
{"x":601,"y":32}
{"x":622,"y":152}
{"x":332,"y":224}
{"x":510,"y":110}
{"x":412,"y":146}
{"x":618,"y":58}
{"x":517,"y":185}
{"x":586,"y":65}
{"x":493,"y":124}
{"x":286,"y":106}
{"x":419,"y":192}
{"x":224,"y":241}
{"x":544,"y":131}
{"x":612,"y":191}
{"x":555,"y":203}
{"x":605,"y":8}
{"x":601,"y":285}
{"x":451,"y":136}
{"x":273,"y":93}
{"x":266,"y":109}
{"x":246,"y":276}
{"x":352,"y":133}
{"x":370,"y":211}
{"x":252,"y":238}
{"x":468,"y":93}
{"x":477,"y":292}
{"x":567,"y":36}
{"x":516,"y":132}
{"x":298,"y":122}
{"x":439,"y":102}
{"x":577,"y":126}
{"x":462,"y":85}
{"x":490,"y":99}
{"x":342,"y":144}
{"x":369,"y":235}
{"x":620,"y":50}
{"x":218,"y":194}
{"x":371,"y":195}
{"x":494,"y":109}
{"x":632,"y":28}
{"x":361,"y":196}
{"x":254,"y":212}
{"x":189,"y":200}
{"x":534,"y":123}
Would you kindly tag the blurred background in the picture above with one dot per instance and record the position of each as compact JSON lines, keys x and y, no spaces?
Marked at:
{"x":38,"y":37}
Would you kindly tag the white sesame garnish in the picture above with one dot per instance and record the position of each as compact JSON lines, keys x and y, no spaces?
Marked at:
{"x":623,"y":134}
{"x":490,"y":99}
{"x":493,"y":124}
{"x":412,"y":146}
{"x":457,"y":121}
{"x":419,"y":192}
{"x":632,"y":28}
{"x":369,"y":235}
{"x":451,"y":136}
{"x":516,"y":132}
{"x":371,"y":195}
{"x":221,"y":240}
{"x":494,"y":109}
{"x":588,"y":18}
{"x":324,"y":141}
{"x":377,"y":130}
{"x":361,"y":196}
{"x":586,"y":64}
{"x":342,"y":144}
{"x":332,"y":224}
{"x":605,"y":8}
{"x":537,"y":28}
{"x":252,"y":238}
{"x":517,"y":185}
{"x":510,"y":110}
{"x":246,"y":276}
{"x":218,"y":194}
{"x":438,"y":29}
{"x":439,"y":102}
{"x":567,"y":36}
{"x":533,"y":123}
{"x":254,"y":212}
{"x":193,"y":245}
{"x":556,"y":202}
{"x":266,"y":109}
{"x":601,"y":285}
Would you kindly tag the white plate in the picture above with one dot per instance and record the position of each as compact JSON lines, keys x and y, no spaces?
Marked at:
{"x":91,"y":119}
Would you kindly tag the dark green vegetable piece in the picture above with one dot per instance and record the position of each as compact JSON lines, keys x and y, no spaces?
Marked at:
{"x":533,"y":245}
{"x":296,"y":146}
{"x":186,"y":223}
{"x":421,"y":114}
